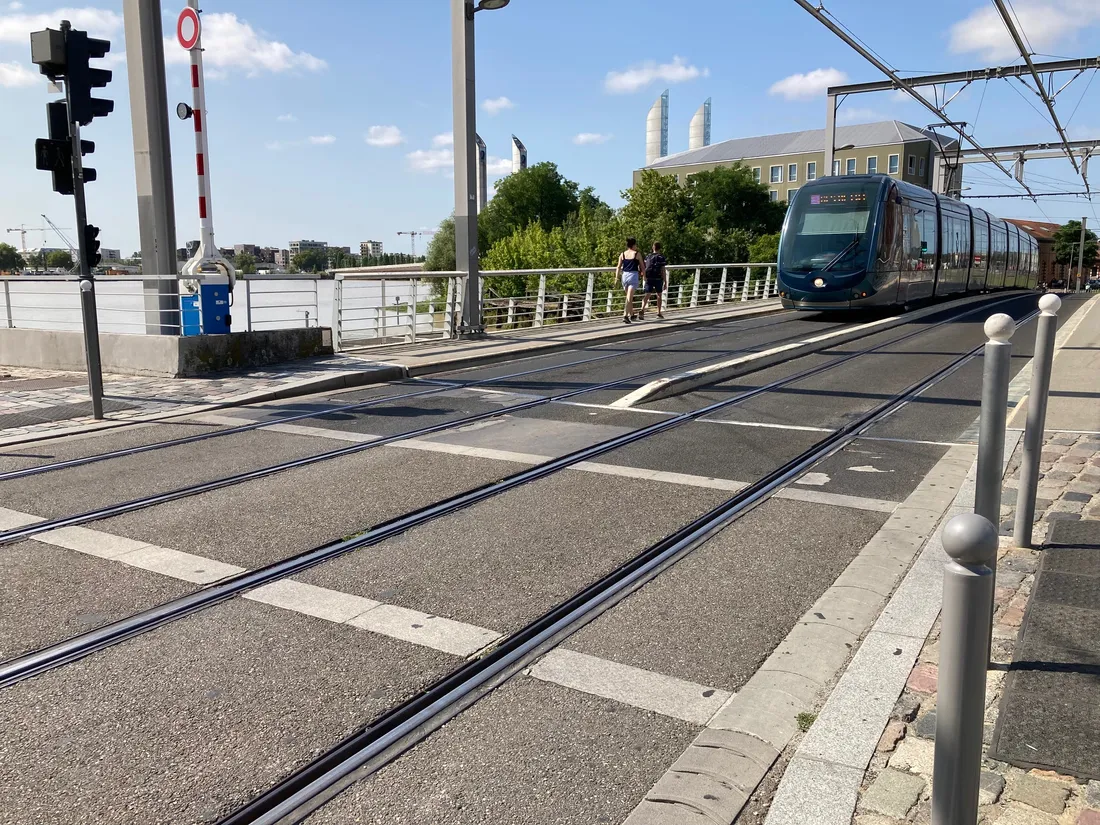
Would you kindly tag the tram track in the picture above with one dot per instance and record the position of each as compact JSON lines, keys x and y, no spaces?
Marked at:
{"x":84,"y":644}
{"x":122,"y":508}
{"x":395,"y":731}
{"x":724,"y":329}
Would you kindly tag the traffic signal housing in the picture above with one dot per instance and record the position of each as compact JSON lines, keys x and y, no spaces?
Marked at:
{"x":91,"y":246}
{"x":79,"y":49}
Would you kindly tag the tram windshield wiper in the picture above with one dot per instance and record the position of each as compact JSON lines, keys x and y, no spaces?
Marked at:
{"x":836,"y":258}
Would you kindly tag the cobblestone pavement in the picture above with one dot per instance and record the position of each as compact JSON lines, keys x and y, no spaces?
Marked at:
{"x":898,"y":783}
{"x":29,"y":395}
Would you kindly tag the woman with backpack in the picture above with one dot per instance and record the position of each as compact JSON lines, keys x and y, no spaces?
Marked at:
{"x":630,"y":269}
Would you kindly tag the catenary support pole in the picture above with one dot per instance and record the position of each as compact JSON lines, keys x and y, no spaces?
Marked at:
{"x":1081,"y":258}
{"x":465,"y":154}
{"x":971,"y":542}
{"x":1036,"y":419}
{"x":991,"y":429}
{"x":152,"y":165}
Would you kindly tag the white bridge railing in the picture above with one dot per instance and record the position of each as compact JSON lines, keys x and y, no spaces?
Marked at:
{"x":376,"y":309}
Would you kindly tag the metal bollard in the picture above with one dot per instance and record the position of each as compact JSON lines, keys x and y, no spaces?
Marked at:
{"x":971,"y":542}
{"x":991,"y":431}
{"x":991,"y":427}
{"x":1036,"y":419}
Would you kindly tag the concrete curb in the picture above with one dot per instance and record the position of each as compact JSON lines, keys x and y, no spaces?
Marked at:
{"x":714,"y":778}
{"x":759,"y":308}
{"x":724,"y":371}
{"x":822,"y":781}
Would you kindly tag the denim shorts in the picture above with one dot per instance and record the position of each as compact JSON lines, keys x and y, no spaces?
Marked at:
{"x":630,"y":279}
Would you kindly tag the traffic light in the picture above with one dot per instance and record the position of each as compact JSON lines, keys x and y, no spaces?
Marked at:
{"x":79,"y":49}
{"x":64,"y":55}
{"x":91,"y":246}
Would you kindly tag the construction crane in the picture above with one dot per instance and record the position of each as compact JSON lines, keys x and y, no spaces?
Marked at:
{"x":412,"y":237}
{"x":23,"y":229}
{"x":60,"y":234}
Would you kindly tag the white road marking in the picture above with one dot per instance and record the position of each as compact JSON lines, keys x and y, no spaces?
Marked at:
{"x":323,"y":432}
{"x":426,"y":630}
{"x":320,"y":602}
{"x":874,"y":505}
{"x":915,"y":441}
{"x":628,"y":685}
{"x":868,"y":468}
{"x":178,"y":565}
{"x":652,"y":387}
{"x":814,"y":479}
{"x":762,"y":424}
{"x":13,"y":519}
{"x":610,"y":407}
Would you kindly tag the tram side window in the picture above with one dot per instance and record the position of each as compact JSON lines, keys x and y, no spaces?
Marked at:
{"x":981,"y":243}
{"x":928,"y":240}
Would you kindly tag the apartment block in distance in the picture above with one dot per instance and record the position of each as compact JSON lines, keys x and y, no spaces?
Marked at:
{"x":304,"y":246}
{"x":784,"y":162}
{"x":371,"y":248}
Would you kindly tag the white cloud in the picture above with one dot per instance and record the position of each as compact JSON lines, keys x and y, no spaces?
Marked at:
{"x":276,"y":145}
{"x":858,"y":115}
{"x":498,"y":166}
{"x":14,"y":75}
{"x":287,"y":118}
{"x":322,"y":140}
{"x":16,"y":28}
{"x":497,"y":105}
{"x":384,"y":136}
{"x":15,"y":6}
{"x":445,"y":139}
{"x":588,"y":138}
{"x":431,"y":160}
{"x":231,"y":43}
{"x":809,"y":85}
{"x":1047,"y":24}
{"x":640,"y":76}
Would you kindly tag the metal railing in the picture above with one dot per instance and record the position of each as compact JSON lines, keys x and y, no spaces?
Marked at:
{"x":358,"y":318}
{"x":375,"y":308}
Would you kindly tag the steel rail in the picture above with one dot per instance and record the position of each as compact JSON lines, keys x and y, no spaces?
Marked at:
{"x":300,"y":793}
{"x":77,"y":647}
{"x":27,"y":472}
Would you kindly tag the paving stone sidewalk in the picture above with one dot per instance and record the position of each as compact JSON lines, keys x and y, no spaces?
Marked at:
{"x":36,"y":401}
{"x":897,"y":785}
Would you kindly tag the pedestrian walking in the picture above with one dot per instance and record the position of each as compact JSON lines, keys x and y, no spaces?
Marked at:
{"x":630,"y":269}
{"x":654,"y":268}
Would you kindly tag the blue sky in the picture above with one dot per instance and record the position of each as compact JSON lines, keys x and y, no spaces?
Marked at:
{"x":328,"y":120}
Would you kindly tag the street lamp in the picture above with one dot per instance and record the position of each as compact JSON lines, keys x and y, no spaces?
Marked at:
{"x":464,"y":95}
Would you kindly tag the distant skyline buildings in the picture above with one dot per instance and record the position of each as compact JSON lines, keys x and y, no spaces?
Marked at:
{"x":519,"y":155}
{"x":656,"y":129}
{"x":699,"y":128}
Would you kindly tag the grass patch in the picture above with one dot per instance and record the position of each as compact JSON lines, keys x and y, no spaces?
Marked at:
{"x":805,"y":720}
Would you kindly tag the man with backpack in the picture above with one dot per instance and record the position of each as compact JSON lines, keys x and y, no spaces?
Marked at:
{"x":655,"y":264}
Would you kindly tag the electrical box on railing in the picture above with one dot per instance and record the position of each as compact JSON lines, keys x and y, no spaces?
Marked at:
{"x":214,"y":302}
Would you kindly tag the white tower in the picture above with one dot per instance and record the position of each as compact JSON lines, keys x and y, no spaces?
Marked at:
{"x":699,"y":131}
{"x":656,"y":130}
{"x":519,"y":154}
{"x":482,"y":174}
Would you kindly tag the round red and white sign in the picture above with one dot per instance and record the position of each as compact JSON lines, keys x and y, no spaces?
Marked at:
{"x":187,"y":28}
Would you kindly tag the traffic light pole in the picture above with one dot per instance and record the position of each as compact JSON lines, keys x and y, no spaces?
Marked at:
{"x":87,"y":283}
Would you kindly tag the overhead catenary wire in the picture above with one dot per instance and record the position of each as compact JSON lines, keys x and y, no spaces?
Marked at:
{"x":819,"y":13}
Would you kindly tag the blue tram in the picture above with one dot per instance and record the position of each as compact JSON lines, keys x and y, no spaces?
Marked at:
{"x":873,"y":241}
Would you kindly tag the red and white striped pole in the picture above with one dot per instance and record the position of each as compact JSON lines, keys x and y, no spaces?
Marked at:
{"x":189,"y":34}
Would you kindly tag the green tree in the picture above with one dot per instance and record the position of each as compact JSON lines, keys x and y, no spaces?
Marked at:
{"x":10,"y":259}
{"x":1066,"y":241}
{"x":441,"y":249}
{"x":245,"y":263}
{"x":727,"y":198}
{"x":657,"y":209}
{"x":311,"y":260}
{"x":539,"y":193}
{"x":766,"y":249}
{"x":59,"y":259}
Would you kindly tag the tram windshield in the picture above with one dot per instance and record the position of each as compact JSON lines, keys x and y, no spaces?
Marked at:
{"x":829,"y":227}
